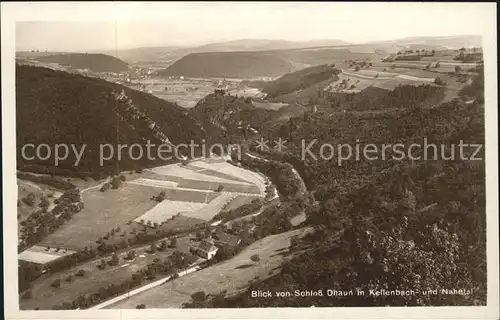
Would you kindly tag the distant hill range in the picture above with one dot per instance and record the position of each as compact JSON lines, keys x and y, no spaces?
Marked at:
{"x":253,"y":64}
{"x":96,"y":62}
{"x":227,"y":59}
{"x":265,"y":45}
{"x":59,"y":107}
{"x":448,"y":42}
{"x":169,"y":54}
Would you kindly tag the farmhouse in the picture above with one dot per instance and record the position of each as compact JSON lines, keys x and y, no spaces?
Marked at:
{"x":206,"y":250}
{"x":222,"y":239}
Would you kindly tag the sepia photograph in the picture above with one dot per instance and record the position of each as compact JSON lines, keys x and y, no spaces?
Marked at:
{"x":308,"y":159}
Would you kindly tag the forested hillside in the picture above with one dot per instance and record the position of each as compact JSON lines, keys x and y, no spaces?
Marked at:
{"x":229,"y":65}
{"x":57,"y":107}
{"x":304,"y":78}
{"x":95,"y":62}
{"x":387,"y":224}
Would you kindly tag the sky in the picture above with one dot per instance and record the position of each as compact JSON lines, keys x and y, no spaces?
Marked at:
{"x":88,"y":26}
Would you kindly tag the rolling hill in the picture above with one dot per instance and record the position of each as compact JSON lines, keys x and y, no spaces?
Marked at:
{"x":93,"y":61}
{"x":169,"y":54}
{"x":58,"y":107}
{"x":230,"y":65}
{"x":254,"y":64}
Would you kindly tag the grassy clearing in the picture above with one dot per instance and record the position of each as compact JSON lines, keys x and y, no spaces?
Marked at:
{"x":102,"y":212}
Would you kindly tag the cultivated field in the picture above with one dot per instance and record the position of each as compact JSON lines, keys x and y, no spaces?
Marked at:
{"x":224,"y":167}
{"x":166,"y":209}
{"x":191,"y":191}
{"x":102,"y":212}
{"x":212,"y":208}
{"x":43,"y":255}
{"x":233,"y":275}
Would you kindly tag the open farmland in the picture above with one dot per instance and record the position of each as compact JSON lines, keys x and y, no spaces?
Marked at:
{"x":224,"y":167}
{"x":212,"y":208}
{"x":110,"y":209}
{"x":166,"y":209}
{"x":198,"y":190}
{"x":185,"y":93}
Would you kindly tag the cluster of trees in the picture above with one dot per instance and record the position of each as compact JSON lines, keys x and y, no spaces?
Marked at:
{"x":241,"y":211}
{"x":41,"y":223}
{"x":403,"y":96}
{"x":115,"y":183}
{"x":28,"y":272}
{"x":160,"y":197}
{"x":359,"y":64}
{"x":475,"y":89}
{"x":469,"y":57}
{"x":49,"y":180}
{"x":29,"y":200}
{"x":169,"y":266}
{"x":147,"y":234}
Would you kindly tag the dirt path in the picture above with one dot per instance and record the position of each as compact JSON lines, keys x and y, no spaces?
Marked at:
{"x":97,"y":186}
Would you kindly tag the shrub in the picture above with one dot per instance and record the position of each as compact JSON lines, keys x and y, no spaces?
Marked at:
{"x":114,"y":260}
{"x":29,"y":200}
{"x":56,"y":283}
{"x":105,"y":187}
{"x":116,"y":183}
{"x":130,"y":255}
{"x":199,"y":296}
{"x":439,"y":81}
{"x":44,"y":203}
{"x":255,"y":258}
{"x":141,"y":306}
{"x":80,"y":273}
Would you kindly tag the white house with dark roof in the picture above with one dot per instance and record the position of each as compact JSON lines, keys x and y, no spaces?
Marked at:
{"x":207,"y":250}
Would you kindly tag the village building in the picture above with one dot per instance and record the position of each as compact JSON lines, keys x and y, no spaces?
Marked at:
{"x":222,"y":239}
{"x":206,"y":250}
